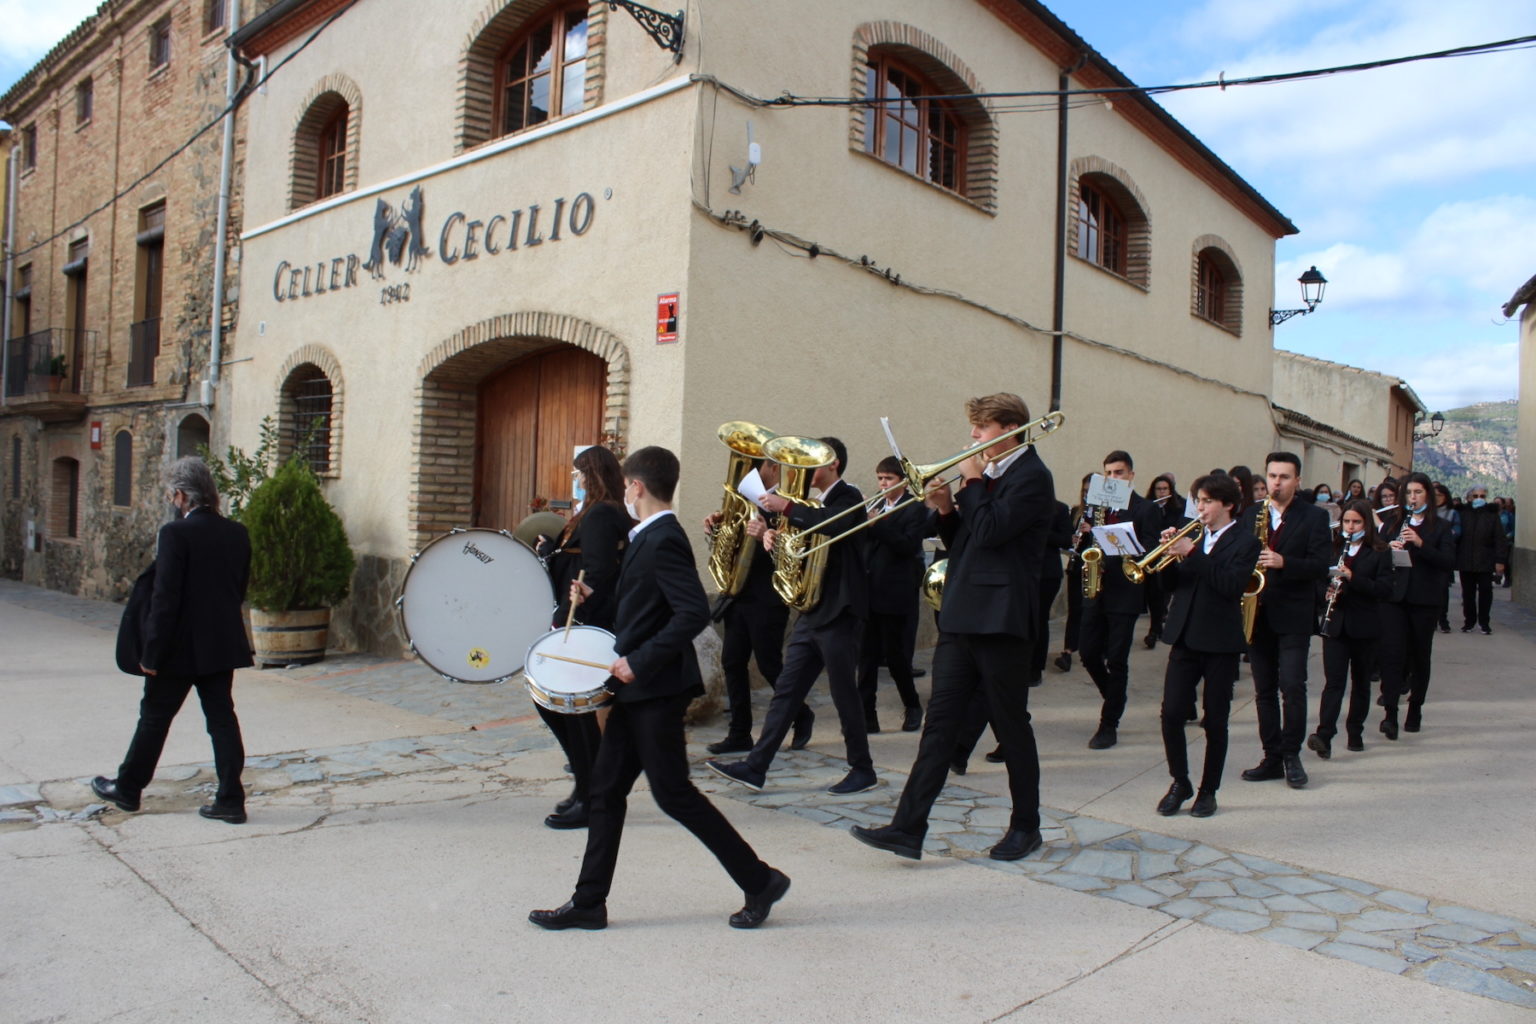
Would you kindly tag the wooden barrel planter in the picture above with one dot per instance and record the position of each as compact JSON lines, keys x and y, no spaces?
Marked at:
{"x":289,"y":638}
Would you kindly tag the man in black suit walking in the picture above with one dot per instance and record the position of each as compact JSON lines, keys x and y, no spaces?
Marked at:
{"x":1295,"y":563}
{"x":661,"y":608}
{"x":193,"y":638}
{"x":995,"y":529}
{"x":1205,"y":627}
{"x":825,"y":636}
{"x":895,"y":557}
{"x":1109,"y":620}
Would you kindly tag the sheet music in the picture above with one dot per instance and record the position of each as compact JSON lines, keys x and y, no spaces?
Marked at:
{"x":885,"y":424}
{"x":751,"y":487}
{"x":1108,"y":492}
{"x":1191,"y":510}
{"x":1118,"y":539}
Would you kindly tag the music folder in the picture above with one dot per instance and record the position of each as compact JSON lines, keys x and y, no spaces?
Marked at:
{"x":1118,"y":539}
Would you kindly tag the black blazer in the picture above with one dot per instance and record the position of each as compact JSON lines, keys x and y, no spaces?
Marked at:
{"x":597,"y":546}
{"x":996,"y":540}
{"x":844,"y":584}
{"x":1057,"y":539}
{"x":195,"y":626}
{"x":1206,"y":612}
{"x":1305,"y":540}
{"x":660,"y":609}
{"x":1356,"y":612}
{"x":1118,"y":595}
{"x":1433,"y":562}
{"x":1483,"y":543}
{"x":895,"y":558}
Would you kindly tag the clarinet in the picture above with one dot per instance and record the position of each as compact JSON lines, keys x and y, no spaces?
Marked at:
{"x":1334,"y":586}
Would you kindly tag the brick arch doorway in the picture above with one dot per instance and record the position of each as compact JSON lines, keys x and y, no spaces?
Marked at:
{"x":530,"y":417}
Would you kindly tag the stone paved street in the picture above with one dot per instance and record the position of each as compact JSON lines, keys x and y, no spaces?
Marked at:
{"x":1444,"y":928}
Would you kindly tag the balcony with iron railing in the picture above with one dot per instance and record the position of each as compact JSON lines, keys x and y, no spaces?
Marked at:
{"x":143,"y":349}
{"x":43,"y":375}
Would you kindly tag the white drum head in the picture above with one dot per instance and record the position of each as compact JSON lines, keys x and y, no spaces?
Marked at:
{"x":472,"y":602}
{"x":565,"y":686}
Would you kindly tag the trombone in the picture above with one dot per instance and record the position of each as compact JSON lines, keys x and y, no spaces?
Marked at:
{"x":1160,"y":557}
{"x":916,"y":476}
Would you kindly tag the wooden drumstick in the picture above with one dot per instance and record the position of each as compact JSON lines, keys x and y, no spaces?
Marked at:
{"x":574,"y":661}
{"x":570,"y":616}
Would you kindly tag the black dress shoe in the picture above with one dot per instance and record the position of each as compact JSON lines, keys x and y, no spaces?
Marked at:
{"x":1174,"y":799}
{"x":1036,"y":681}
{"x":912,"y":719}
{"x":1063,"y":661}
{"x":738,"y":771}
{"x":871,"y":724}
{"x":958,"y":766}
{"x":1016,"y":844}
{"x":224,"y":813}
{"x":1466,"y":629}
{"x":571,"y":916}
{"x":885,"y":837}
{"x":805,"y":724}
{"x":757,"y":907}
{"x":1320,"y":746}
{"x":855,"y":782}
{"x":995,"y":756}
{"x":731,"y":745}
{"x":1412,"y":721}
{"x":1105,"y":738}
{"x":1295,"y":774}
{"x":1264,"y":771}
{"x":918,"y":673}
{"x":1204,"y":805}
{"x":1355,"y":743}
{"x":107,"y":789}
{"x":1445,"y":627}
{"x":1389,"y":725}
{"x":1150,"y":640}
{"x":1487,"y":631}
{"x":574,"y":816}
{"x":566,"y":804}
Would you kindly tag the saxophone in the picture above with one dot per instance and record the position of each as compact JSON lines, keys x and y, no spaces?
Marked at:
{"x":1258,"y":580}
{"x":1093,"y":561}
{"x":797,"y":573}
{"x":730,"y":548}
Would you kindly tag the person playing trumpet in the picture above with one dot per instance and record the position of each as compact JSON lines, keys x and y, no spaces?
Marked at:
{"x":895,"y":560}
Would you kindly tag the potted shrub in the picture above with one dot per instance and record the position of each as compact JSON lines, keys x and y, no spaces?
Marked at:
{"x":301,"y":565}
{"x":57,"y":370}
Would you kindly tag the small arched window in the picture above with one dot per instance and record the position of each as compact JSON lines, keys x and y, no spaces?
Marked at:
{"x":1101,"y":229}
{"x":542,"y":74}
{"x":122,"y":468}
{"x":325,"y":146}
{"x":64,"y":495}
{"x":333,"y":154}
{"x":192,"y":436}
{"x":911,"y":128}
{"x":1218,"y":289}
{"x":306,"y":427}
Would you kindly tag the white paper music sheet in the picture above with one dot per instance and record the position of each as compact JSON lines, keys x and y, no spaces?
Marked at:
{"x":751,"y":487}
{"x":1191,"y":510}
{"x":1107,"y":492}
{"x":1118,"y":539}
{"x":885,"y":424}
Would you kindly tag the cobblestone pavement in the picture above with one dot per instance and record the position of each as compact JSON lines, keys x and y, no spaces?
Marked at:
{"x":1369,"y":923}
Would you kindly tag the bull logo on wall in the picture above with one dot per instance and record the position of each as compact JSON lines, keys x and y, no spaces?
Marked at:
{"x":397,"y":236}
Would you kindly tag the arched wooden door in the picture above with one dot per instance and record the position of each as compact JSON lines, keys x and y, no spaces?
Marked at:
{"x":531,"y":416}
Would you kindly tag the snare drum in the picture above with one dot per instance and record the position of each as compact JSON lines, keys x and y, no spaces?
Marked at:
{"x":564,"y":686}
{"x":472,"y":602}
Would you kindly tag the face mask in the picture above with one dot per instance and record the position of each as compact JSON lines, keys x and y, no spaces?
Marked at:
{"x":1322,"y":497}
{"x":175,"y":512}
{"x":1355,"y":537}
{"x":1417,"y":510}
{"x":579,"y":493}
{"x":1479,"y":502}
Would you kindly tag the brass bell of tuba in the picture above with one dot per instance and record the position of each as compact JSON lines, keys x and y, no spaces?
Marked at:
{"x":730,"y":548}
{"x":797,"y":573}
{"x":933,"y":582}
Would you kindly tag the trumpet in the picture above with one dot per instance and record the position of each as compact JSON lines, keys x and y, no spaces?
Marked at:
{"x":916,"y":476}
{"x":730,"y":548}
{"x":1257,"y":582}
{"x":1093,"y":561}
{"x":1160,"y":557}
{"x":797,"y":572}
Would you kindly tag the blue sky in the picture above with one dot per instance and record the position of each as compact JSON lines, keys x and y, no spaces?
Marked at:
{"x":1414,"y":187}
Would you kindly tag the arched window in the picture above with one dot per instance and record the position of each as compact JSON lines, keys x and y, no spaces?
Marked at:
{"x":542,"y":74}
{"x":325,"y":141}
{"x":1218,"y":287}
{"x":920,"y":134}
{"x":64,"y":495}
{"x":1101,"y":229}
{"x":306,"y":416}
{"x":1111,"y":227}
{"x":191,"y":436}
{"x":333,"y":154}
{"x":122,"y":468}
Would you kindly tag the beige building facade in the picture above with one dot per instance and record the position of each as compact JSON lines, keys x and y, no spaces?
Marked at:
{"x":494,"y":280}
{"x":1523,"y":559}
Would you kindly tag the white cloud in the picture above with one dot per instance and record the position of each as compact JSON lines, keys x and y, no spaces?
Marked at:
{"x":32,"y":27}
{"x":1463,"y":373}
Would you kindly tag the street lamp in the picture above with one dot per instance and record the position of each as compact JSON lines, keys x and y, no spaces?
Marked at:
{"x":1312,"y":285}
{"x":1436,"y":424}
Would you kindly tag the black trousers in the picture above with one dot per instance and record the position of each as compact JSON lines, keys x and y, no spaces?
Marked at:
{"x":753,"y":629}
{"x":1106,"y":652}
{"x":1279,"y":665}
{"x":1040,"y":647}
{"x":962,"y":664}
{"x":885,"y":638}
{"x":1074,"y":584}
{"x":163,"y":697}
{"x":834,"y":647}
{"x":1181,"y":681}
{"x":578,"y":736}
{"x":1351,"y":660}
{"x":647,"y":736}
{"x":1407,"y":645}
{"x":1158,"y":597}
{"x":1476,"y":598}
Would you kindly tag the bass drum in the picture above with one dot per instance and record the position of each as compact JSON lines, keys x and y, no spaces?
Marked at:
{"x":473,"y":602}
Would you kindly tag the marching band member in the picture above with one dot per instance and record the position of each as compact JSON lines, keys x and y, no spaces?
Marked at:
{"x":1295,"y":561}
{"x":894,"y":554}
{"x":1166,"y":495}
{"x":1109,"y":620}
{"x":995,"y":530}
{"x":1205,"y":629}
{"x":1082,"y":540}
{"x":827,"y":637}
{"x":1408,"y":623}
{"x":1352,"y":628}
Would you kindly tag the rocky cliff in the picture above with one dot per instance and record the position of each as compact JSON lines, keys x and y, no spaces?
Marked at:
{"x":1476,"y":448}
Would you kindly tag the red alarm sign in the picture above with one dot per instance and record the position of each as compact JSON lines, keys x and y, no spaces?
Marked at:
{"x":666,"y":318}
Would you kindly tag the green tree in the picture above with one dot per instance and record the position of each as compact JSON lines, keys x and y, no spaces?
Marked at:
{"x":300,"y":557}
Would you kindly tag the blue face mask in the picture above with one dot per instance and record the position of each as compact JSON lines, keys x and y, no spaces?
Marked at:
{"x":1417,"y":510}
{"x":1322,"y":497}
{"x":1355,"y":537}
{"x":578,"y":492}
{"x":1479,"y":502}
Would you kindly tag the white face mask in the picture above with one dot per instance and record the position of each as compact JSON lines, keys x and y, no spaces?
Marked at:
{"x":629,"y":506}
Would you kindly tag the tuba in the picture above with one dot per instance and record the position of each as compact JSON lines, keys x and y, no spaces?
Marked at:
{"x":1160,"y":557}
{"x":797,"y":573}
{"x":933,"y":582}
{"x":1257,"y":582}
{"x":1093,"y":561}
{"x":730,"y":548}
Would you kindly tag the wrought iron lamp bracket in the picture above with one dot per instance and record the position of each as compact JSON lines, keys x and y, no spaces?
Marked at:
{"x":666,"y":29}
